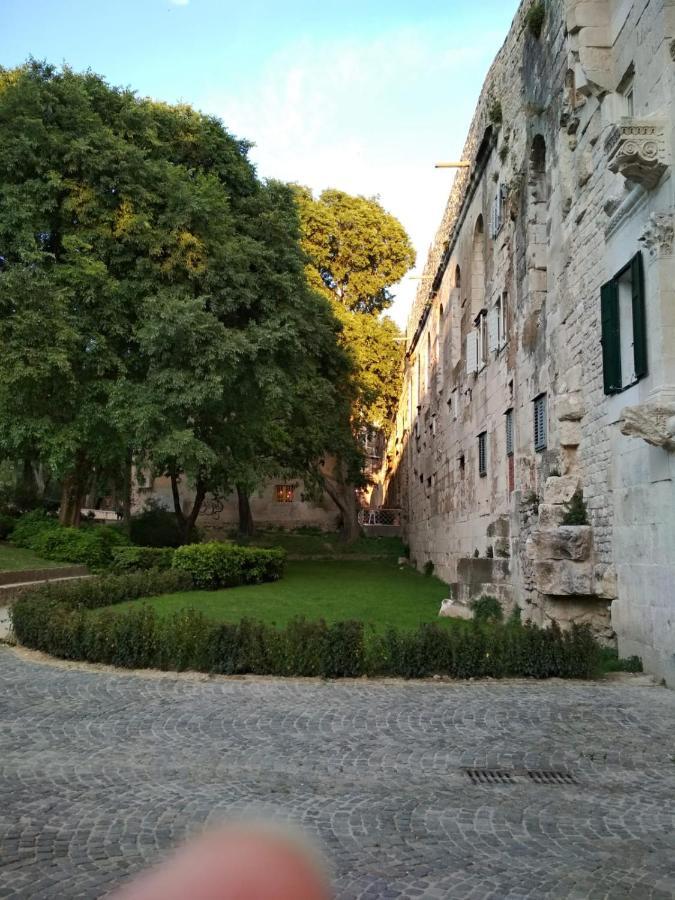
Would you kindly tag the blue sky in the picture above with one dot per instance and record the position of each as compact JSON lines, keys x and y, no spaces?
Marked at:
{"x":363,"y":96}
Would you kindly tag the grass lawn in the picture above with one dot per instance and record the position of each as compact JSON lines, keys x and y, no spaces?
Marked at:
{"x":16,"y":559}
{"x":377,"y":593}
{"x":326,"y":545}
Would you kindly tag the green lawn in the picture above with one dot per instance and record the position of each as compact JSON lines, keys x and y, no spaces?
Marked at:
{"x":378,"y":593}
{"x":16,"y":559}
{"x":326,"y":545}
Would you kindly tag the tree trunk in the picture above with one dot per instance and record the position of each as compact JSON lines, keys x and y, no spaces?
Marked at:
{"x":246,"y":523}
{"x":71,"y":500}
{"x":343,"y":495}
{"x":186,"y":523}
{"x":126,"y":500}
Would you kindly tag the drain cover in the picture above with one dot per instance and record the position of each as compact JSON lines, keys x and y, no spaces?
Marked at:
{"x":490,"y":776}
{"x":543,"y":776}
{"x":518,"y":776}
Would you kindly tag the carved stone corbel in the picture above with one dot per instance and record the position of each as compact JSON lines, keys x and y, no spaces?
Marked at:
{"x":654,"y":423}
{"x":636,"y":149}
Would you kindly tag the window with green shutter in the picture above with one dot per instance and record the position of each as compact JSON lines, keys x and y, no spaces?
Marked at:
{"x":540,"y":423}
{"x":482,"y":454}
{"x":624,"y":334}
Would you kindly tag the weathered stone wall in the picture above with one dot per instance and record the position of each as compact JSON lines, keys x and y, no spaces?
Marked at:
{"x":575,"y":129}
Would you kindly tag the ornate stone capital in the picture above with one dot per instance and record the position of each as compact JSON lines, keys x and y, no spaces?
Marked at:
{"x":653,"y":423}
{"x":658,"y":235}
{"x":636,"y":149}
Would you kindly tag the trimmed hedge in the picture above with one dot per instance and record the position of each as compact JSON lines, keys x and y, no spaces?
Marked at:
{"x":7,"y":525}
{"x":56,"y":619}
{"x":141,"y":559}
{"x":90,"y":545}
{"x":216,"y":565}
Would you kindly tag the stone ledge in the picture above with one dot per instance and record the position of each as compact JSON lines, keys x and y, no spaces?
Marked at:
{"x":564,"y":578}
{"x":572,"y":542}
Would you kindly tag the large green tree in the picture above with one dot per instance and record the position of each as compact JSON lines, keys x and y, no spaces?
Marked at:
{"x":356,"y":251}
{"x":152,"y":294}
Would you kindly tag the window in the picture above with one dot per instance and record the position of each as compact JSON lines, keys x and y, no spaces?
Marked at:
{"x":483,"y":340}
{"x":624,"y":335}
{"x":285,"y":493}
{"x":497,"y":324}
{"x":509,"y":432}
{"x":482,"y":454}
{"x":540,"y":423}
{"x":503,"y":323}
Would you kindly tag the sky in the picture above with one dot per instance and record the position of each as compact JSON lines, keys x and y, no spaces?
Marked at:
{"x":360,"y":95}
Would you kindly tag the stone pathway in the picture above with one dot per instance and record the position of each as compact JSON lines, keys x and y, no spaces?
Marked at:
{"x":101,"y":773}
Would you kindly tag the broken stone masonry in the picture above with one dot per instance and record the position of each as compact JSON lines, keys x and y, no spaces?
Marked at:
{"x":541,"y":346}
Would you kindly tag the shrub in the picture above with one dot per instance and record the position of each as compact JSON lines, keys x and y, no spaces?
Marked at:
{"x":56,"y":618}
{"x":576,"y":512}
{"x":611,"y":662}
{"x":216,"y":564}
{"x":429,"y":568}
{"x":30,"y":525}
{"x":156,"y":527}
{"x":140,"y":559}
{"x":90,"y":546}
{"x":534,"y":19}
{"x":487,"y":609}
{"x":495,"y":114}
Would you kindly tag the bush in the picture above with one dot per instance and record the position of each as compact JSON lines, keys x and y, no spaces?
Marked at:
{"x":56,"y":618}
{"x":575,"y":511}
{"x":534,"y":19}
{"x":140,"y":559}
{"x":91,"y":546}
{"x":216,"y":565}
{"x":30,"y":526}
{"x":487,"y":609}
{"x":156,"y":527}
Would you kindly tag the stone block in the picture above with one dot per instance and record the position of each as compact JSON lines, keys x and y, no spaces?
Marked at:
{"x":483,"y":571}
{"x":570,"y":408}
{"x":502,"y":547}
{"x":550,"y":515}
{"x":573,"y":542}
{"x":561,"y":488}
{"x":453,"y":609}
{"x":570,"y":434}
{"x":606,"y":584}
{"x":564,"y":578}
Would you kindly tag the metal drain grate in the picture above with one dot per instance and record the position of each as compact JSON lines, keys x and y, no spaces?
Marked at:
{"x":542,"y":776}
{"x":489,"y":776}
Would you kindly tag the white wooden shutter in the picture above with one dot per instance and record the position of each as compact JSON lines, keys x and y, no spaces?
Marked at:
{"x":472,"y":352}
{"x":493,"y":329}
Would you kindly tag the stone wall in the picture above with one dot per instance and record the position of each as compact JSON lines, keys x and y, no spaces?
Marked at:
{"x":573,"y":133}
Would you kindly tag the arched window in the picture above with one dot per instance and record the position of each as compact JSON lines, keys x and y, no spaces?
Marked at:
{"x":478,"y":268}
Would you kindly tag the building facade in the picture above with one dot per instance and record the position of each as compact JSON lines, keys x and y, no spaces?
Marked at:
{"x":539,"y":391}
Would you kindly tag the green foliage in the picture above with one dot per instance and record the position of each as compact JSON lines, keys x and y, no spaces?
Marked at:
{"x":503,"y":152}
{"x":140,"y":559}
{"x":428,"y":568}
{"x":576,"y":512}
{"x":156,"y":527}
{"x":487,"y":609}
{"x":356,"y":249}
{"x":534,"y":19}
{"x":611,"y":662}
{"x":215,"y":565}
{"x":55,"y":619}
{"x":495,"y":114}
{"x":90,"y":546}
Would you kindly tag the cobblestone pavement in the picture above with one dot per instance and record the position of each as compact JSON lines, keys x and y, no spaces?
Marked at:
{"x":101,"y":773}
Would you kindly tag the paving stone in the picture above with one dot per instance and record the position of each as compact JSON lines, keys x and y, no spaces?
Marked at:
{"x":101,"y":774}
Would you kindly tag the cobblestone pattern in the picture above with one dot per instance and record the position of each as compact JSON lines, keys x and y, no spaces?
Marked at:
{"x":100,"y":774}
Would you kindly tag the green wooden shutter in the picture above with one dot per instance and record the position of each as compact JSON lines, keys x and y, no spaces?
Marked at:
{"x":611,"y":340}
{"x":639,"y":322}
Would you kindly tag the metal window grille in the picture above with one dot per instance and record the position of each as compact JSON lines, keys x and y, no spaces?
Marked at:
{"x":509,"y":432}
{"x":285,"y":493}
{"x":482,"y":454}
{"x":540,"y":423}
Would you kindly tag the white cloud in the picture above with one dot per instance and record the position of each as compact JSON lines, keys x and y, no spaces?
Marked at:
{"x":369,"y":117}
{"x":179,"y":2}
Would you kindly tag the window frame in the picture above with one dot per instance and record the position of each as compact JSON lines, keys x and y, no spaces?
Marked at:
{"x":540,"y":403}
{"x":482,"y":454}
{"x":610,"y":326}
{"x":284,"y":493}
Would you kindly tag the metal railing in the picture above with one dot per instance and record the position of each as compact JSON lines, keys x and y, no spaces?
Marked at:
{"x":380,"y":517}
